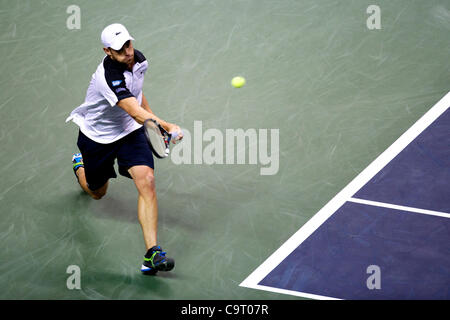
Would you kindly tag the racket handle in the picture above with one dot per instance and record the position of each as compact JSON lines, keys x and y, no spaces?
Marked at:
{"x":171,"y":136}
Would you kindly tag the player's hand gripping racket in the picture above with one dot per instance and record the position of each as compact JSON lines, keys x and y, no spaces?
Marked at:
{"x":158,"y":138}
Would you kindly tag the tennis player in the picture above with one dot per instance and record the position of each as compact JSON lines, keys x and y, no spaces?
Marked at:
{"x":110,"y":127}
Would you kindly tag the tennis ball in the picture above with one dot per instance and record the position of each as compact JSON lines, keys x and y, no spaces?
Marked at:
{"x":237,"y":82}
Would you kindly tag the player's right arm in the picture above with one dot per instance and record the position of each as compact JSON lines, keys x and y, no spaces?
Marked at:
{"x":139,"y":114}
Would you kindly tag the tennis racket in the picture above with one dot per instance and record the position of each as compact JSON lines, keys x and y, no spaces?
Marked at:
{"x":158,"y":138}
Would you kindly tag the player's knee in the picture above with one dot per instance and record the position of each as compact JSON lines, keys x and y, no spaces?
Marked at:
{"x":150,"y":181}
{"x":98,"y":194}
{"x":146,"y":183}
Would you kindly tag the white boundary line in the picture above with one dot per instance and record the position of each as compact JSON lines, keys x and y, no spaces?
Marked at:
{"x":344,"y":195}
{"x":397,"y":207}
{"x":295,"y":293}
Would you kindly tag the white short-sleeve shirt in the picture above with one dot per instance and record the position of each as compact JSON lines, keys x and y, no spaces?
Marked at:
{"x":99,"y":117}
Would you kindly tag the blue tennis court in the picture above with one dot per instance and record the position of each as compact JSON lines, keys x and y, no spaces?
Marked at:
{"x":393,"y":217}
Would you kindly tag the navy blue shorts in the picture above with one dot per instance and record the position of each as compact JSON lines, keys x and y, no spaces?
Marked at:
{"x":98,"y":158}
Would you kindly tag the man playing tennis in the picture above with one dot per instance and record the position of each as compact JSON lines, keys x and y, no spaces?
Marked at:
{"x":110,"y":127}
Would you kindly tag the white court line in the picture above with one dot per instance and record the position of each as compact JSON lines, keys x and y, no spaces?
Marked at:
{"x":295,"y":293}
{"x":397,"y":207}
{"x":344,"y":195}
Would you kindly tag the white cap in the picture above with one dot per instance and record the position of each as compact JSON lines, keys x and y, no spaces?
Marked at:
{"x":115,"y":35}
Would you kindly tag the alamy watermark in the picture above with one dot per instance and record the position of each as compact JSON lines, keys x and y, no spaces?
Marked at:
{"x":74,"y":19}
{"x":74,"y":280}
{"x":234,"y":146}
{"x":373,"y":22}
{"x":374,"y":280}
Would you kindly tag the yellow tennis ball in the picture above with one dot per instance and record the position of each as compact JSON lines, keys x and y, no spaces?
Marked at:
{"x":237,"y":82}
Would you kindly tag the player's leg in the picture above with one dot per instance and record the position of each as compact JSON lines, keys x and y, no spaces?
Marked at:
{"x":135,"y":161}
{"x":95,"y":194}
{"x":94,"y":166}
{"x":155,"y":259}
{"x":147,"y":203}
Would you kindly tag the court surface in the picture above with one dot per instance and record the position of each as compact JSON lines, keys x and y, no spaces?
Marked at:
{"x":392,"y":217}
{"x":359,"y":173}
